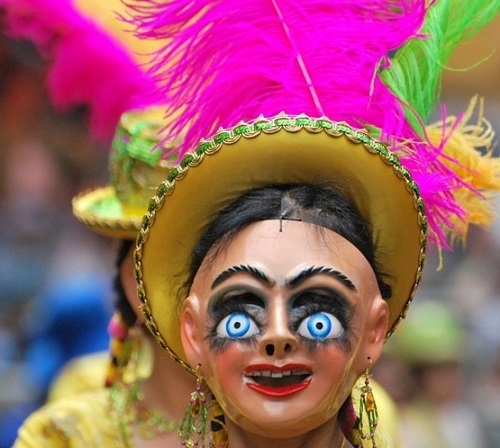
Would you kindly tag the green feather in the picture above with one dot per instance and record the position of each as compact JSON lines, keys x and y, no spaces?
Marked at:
{"x":416,"y":70}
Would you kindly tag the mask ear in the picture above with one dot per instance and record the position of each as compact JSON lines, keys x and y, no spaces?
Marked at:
{"x":377,"y":324}
{"x":192,"y":330}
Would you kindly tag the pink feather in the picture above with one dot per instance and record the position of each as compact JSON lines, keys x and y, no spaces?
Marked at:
{"x":236,"y":60}
{"x":88,"y":67}
{"x":238,"y":51}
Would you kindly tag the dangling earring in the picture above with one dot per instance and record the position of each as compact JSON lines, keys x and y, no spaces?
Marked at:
{"x":367,"y":406}
{"x":194,"y":423}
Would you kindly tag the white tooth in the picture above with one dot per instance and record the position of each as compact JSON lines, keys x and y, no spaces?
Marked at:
{"x":276,"y":375}
{"x":266,"y":373}
{"x":256,"y":373}
{"x":287,"y":373}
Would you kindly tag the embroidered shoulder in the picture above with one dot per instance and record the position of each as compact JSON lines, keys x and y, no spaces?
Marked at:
{"x":83,"y":421}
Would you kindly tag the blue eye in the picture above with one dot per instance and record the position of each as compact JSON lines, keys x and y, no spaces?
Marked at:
{"x":237,"y":326}
{"x":320,"y":326}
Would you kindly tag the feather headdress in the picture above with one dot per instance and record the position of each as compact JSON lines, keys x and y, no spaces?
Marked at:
{"x":373,"y":64}
{"x":92,"y":61}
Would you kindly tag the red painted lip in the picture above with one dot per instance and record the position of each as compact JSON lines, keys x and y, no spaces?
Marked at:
{"x":279,"y":392}
{"x":260,"y":378}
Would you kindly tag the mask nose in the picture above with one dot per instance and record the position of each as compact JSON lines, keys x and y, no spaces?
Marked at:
{"x":278,"y":341}
{"x":279,"y":348}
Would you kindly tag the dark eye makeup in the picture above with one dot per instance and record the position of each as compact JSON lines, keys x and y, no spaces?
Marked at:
{"x":323,"y":302}
{"x":231,"y":302}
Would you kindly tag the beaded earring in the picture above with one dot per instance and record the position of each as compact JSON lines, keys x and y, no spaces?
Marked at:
{"x":368,"y":407}
{"x":193,"y":428}
{"x":120,"y":346}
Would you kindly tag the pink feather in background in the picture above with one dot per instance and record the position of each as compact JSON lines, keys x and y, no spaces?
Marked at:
{"x":87,"y":65}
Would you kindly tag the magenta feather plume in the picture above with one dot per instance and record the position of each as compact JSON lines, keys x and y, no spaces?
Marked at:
{"x":88,"y":66}
{"x":240,"y":59}
{"x":237,"y":60}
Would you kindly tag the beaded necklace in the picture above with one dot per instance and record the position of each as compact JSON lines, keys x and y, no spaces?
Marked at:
{"x":131,"y":412}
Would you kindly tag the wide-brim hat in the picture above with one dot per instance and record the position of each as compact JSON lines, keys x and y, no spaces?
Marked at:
{"x":282,"y":149}
{"x":136,"y":167}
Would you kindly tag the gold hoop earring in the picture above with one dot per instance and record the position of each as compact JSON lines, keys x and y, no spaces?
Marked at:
{"x":194,"y":423}
{"x":368,"y":407}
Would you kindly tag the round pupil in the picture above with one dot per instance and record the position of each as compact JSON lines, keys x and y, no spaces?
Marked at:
{"x":319,"y":325}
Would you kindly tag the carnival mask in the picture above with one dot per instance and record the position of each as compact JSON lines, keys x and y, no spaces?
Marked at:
{"x":282,"y":320}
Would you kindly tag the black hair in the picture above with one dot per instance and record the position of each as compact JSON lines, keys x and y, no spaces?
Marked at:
{"x":122,"y":304}
{"x":324,"y":206}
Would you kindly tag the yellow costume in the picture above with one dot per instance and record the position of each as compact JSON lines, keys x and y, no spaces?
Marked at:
{"x":75,"y":422}
{"x":81,"y":374}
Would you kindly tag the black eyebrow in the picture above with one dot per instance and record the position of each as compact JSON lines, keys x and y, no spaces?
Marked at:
{"x":314,"y":270}
{"x":233,"y":270}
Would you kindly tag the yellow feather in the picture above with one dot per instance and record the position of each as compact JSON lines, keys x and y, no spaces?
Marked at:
{"x":467,"y":151}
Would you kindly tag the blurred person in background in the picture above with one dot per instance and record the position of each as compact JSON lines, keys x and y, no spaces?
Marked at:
{"x":38,"y":243}
{"x":485,"y":358}
{"x":94,"y":63}
{"x":141,"y":405}
{"x":32,"y":220}
{"x":436,"y":411}
{"x":94,"y":75}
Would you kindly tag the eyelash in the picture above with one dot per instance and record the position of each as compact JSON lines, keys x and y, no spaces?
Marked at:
{"x":218,"y":345}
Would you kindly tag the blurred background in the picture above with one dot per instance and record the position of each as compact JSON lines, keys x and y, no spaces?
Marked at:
{"x":55,"y":283}
{"x":442,"y":366}
{"x":55,"y":276}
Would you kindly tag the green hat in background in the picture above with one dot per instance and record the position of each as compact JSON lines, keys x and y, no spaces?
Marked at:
{"x":136,"y":167}
{"x":432,"y":334}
